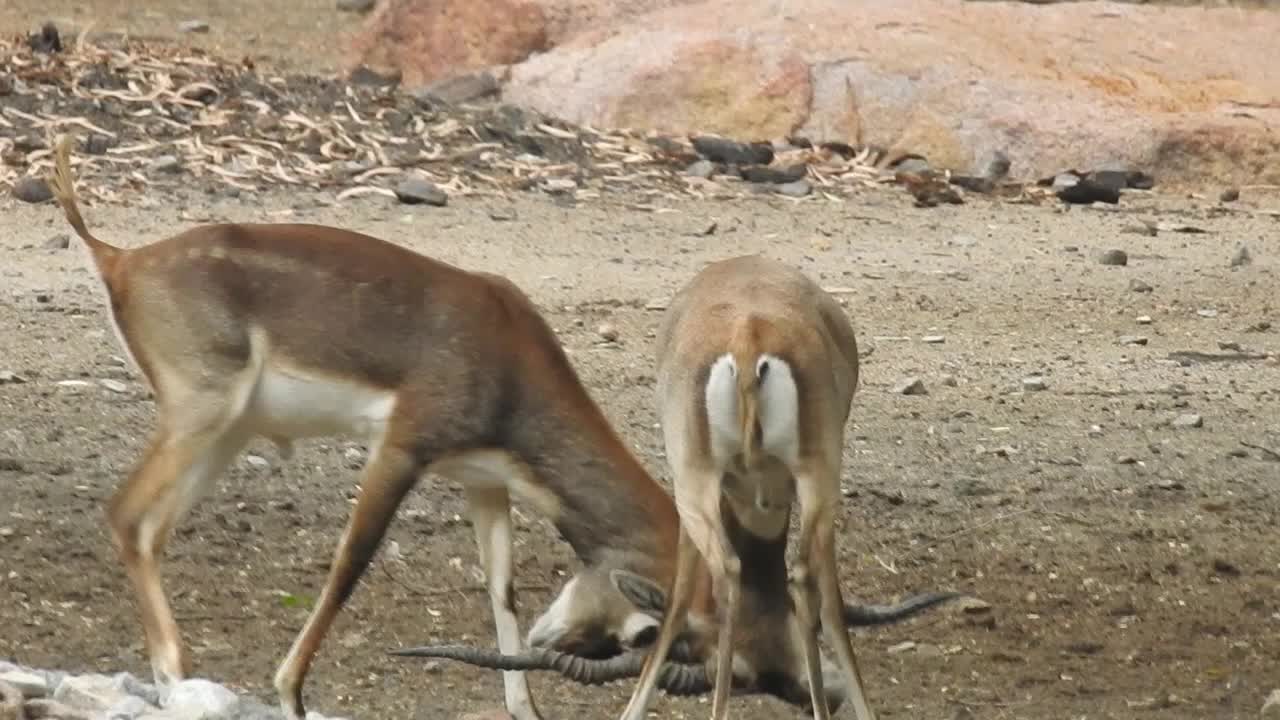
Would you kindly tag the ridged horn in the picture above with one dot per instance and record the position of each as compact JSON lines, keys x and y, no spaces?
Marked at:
{"x":866,"y":615}
{"x":673,"y":678}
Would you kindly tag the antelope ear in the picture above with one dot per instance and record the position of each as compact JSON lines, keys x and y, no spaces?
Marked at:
{"x":640,"y":591}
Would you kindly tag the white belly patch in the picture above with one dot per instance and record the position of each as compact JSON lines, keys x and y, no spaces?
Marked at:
{"x":291,"y":404}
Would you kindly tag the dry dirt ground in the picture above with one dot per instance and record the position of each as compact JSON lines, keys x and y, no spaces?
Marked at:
{"x":1132,"y":567}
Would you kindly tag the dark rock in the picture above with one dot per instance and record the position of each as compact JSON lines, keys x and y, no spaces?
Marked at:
{"x":1114,"y":257}
{"x":844,"y":150}
{"x":61,"y":241}
{"x":355,"y":6}
{"x":463,"y":88}
{"x":98,"y":144}
{"x":1088,"y":191}
{"x":777,"y":176}
{"x":731,"y":152}
{"x":416,"y":191}
{"x":1231,"y":194}
{"x":367,"y":76}
{"x":973,"y":183}
{"x":47,"y":40}
{"x":32,"y":189}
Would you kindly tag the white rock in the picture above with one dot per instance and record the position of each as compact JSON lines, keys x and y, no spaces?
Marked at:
{"x":1034,"y":383}
{"x":130,"y":707}
{"x":199,"y":699}
{"x":1271,"y":708}
{"x":934,"y":339}
{"x":29,"y":684}
{"x":113,"y":385}
{"x":90,"y":692}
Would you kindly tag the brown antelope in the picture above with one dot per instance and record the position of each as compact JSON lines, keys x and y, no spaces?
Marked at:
{"x":293,"y":331}
{"x":757,"y":367}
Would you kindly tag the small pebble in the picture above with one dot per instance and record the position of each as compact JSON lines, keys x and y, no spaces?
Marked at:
{"x":557,"y":186}
{"x":1114,"y":257}
{"x":256,"y":461}
{"x":607,"y":332}
{"x":910,"y":386}
{"x":1034,"y":383}
{"x":113,"y":385}
{"x":355,"y":6}
{"x":1271,"y":708}
{"x":61,"y":241}
{"x":165,"y":163}
{"x":948,"y":380}
{"x":8,"y":377}
{"x":700,"y":169}
{"x":1242,"y":257}
{"x":797,"y":188}
{"x":1133,"y":340}
{"x":417,"y":191}
{"x":1095,"y":431}
{"x":1139,"y":286}
{"x":32,"y":189}
{"x":1188,"y":420}
{"x":934,"y":339}
{"x":193,"y":26}
{"x":1207,"y":313}
{"x":1143,"y":319}
{"x":1231,"y":194}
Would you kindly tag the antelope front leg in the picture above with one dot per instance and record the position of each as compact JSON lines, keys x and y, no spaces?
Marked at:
{"x":389,"y":476}
{"x":491,"y":517}
{"x":819,"y":495}
{"x":673,"y":620}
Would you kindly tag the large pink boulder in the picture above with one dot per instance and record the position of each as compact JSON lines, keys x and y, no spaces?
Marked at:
{"x":1187,"y":93}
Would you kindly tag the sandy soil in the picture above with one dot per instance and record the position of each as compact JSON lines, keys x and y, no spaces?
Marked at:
{"x":1132,"y":566}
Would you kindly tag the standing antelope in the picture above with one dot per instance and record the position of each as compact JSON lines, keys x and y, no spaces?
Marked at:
{"x":757,"y":368}
{"x":296,"y":331}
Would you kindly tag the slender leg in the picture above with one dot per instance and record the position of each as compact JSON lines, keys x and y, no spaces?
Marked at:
{"x":387,"y":478}
{"x":673,"y":620}
{"x":803,"y":595}
{"x":181,"y":460}
{"x":491,"y":517}
{"x":726,"y":581}
{"x":818,"y":494}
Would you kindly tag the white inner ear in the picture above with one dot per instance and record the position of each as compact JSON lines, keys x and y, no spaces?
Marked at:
{"x":635,"y":624}
{"x":554,"y":623}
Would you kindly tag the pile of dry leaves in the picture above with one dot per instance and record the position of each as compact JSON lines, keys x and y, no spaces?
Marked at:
{"x":148,"y":114}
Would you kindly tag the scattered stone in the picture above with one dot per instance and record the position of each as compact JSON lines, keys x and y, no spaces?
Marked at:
{"x":730,"y":152}
{"x":1231,"y":194}
{"x":900,"y":647}
{"x":31,"y":189}
{"x":910,"y":386}
{"x":61,"y":241}
{"x":355,"y":6}
{"x":799,"y":188}
{"x":114,"y":386}
{"x":997,"y":166}
{"x":495,"y":714}
{"x":913,"y":164}
{"x":1114,"y":257}
{"x":701,"y":169}
{"x":30,"y":684}
{"x":1126,"y":460}
{"x":193,"y":26}
{"x":1271,"y":708}
{"x":503,"y":214}
{"x":1035,"y":383}
{"x":1095,"y":431}
{"x":1088,"y":191}
{"x":973,"y":184}
{"x":1137,"y":285}
{"x":257,"y":461}
{"x":560,"y":186}
{"x":165,"y":164}
{"x":607,"y":332}
{"x":1133,"y":339}
{"x":367,"y":76}
{"x":1188,"y":420}
{"x":1241,"y":257}
{"x":414,"y":190}
{"x":1207,"y":312}
{"x":774,"y":175}
{"x":8,"y":377}
{"x":458,"y":89}
{"x":1143,"y":320}
{"x":657,"y":304}
{"x":1230,"y":345}
{"x":1226,"y":568}
{"x":199,"y":699}
{"x":948,"y":380}
{"x":934,"y":339}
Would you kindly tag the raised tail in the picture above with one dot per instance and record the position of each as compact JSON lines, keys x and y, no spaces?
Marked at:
{"x":62,"y":184}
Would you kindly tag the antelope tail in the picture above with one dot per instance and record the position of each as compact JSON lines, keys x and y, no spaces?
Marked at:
{"x":62,"y":184}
